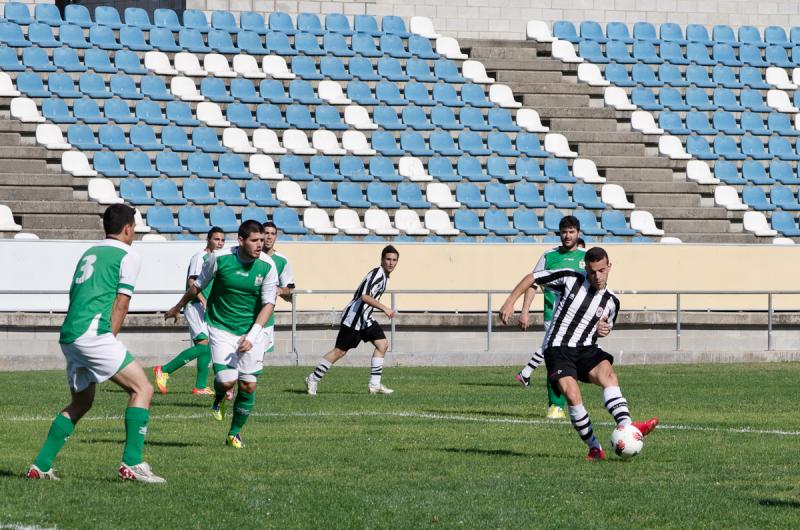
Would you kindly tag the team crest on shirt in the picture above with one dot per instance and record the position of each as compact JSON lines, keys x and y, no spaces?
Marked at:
{"x":599,"y":312}
{"x":582,"y":264}
{"x":259,"y":280}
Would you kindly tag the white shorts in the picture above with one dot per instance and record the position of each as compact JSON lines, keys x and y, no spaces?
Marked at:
{"x":196,"y":317}
{"x":93,"y":359}
{"x":245,"y":366}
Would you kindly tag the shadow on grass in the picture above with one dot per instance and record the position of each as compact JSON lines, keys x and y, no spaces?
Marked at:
{"x":155,"y":443}
{"x":8,"y":473}
{"x":490,"y":385}
{"x":482,"y":452}
{"x":477,"y":412}
{"x":327,"y":393}
{"x":779,"y":503}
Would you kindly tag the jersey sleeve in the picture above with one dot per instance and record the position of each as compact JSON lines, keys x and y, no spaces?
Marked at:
{"x":269,"y":287}
{"x":207,"y":273}
{"x":613,"y":311}
{"x":287,"y":277}
{"x":541,"y":264}
{"x":195,"y":266}
{"x":128,"y":273}
{"x":376,"y":285}
{"x":555,"y":278}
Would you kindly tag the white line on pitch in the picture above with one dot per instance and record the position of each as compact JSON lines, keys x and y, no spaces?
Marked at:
{"x":11,"y":526}
{"x":423,"y":415}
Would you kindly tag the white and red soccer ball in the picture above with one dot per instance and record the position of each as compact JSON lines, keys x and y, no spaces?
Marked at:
{"x":627,"y":441}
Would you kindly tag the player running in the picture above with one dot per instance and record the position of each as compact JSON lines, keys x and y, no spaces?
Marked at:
{"x":587,"y":309}
{"x":195,"y":314}
{"x":101,"y":290}
{"x":239,"y":306}
{"x":284,"y":270}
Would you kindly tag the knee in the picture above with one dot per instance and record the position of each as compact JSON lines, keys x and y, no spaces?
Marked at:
{"x":382,"y":347}
{"x":338,"y":354}
{"x":144,"y":390}
{"x":247,"y":386}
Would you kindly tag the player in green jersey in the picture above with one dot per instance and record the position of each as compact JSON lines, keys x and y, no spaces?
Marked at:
{"x":285,"y":274}
{"x":239,"y":306}
{"x":568,"y":256}
{"x":101,"y":290}
{"x":195,"y":317}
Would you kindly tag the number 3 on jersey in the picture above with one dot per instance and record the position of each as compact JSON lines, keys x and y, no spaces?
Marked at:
{"x":86,"y":269}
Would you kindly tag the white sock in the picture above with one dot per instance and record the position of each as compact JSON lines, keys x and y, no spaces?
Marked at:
{"x":376,"y":372}
{"x":535,"y":361}
{"x":320,"y":370}
{"x":582,"y":423}
{"x":616,"y":405}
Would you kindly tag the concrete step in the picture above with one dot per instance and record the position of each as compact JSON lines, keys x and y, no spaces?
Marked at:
{"x":609,"y":137}
{"x":677,"y":213}
{"x":593,"y":149}
{"x":538,"y":65}
{"x":33,"y":179}
{"x":75,"y":234}
{"x":535,"y":86}
{"x":649,"y":174}
{"x":531,"y":76}
{"x":501,"y":43}
{"x":555,"y":100}
{"x":638,"y":162}
{"x":16,"y":166}
{"x":55,"y":207}
{"x":485,"y":51}
{"x":27,"y":152}
{"x":644,"y":187}
{"x":50,"y":193}
{"x":15,"y":126}
{"x":580,"y":125}
{"x":727,"y":238}
{"x":644,"y":200}
{"x":10,"y":138}
{"x":691,"y":226}
{"x":578,"y":113}
{"x":34,"y":221}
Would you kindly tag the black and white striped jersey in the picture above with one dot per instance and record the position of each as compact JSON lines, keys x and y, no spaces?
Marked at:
{"x":357,"y":314}
{"x":579,"y":309}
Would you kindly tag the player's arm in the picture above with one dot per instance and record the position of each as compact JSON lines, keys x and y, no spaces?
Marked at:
{"x":286,"y":283}
{"x":119,"y":311}
{"x":507,"y":309}
{"x":374,"y":302}
{"x":206,"y":275}
{"x":524,"y":314}
{"x":200,"y":298}
{"x":129,"y":269}
{"x":269,"y":291}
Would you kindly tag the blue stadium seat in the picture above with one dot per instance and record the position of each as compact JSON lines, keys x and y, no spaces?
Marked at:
{"x":196,"y":191}
{"x":287,"y":221}
{"x":421,"y":47}
{"x":82,"y":137}
{"x":752,"y":123}
{"x":618,"y":52}
{"x":244,"y":90}
{"x":103,"y":37}
{"x":18,"y":13}
{"x":558,"y":196}
{"x":294,"y":167}
{"x":445,"y":119}
{"x":367,"y":24}
{"x":447,"y":71}
{"x":528,"y":195}
{"x":776,"y":56}
{"x":229,"y":192}
{"x":192,"y":219}
{"x":726,"y":122}
{"x":259,"y":193}
{"x":755,"y":198}
{"x":469,"y":195}
{"x":169,"y":163}
{"x":98,"y":61}
{"x":644,"y":75}
{"x":41,"y":35}
{"x":699,"y":34}
{"x":752,"y":100}
{"x":529,"y":145}
{"x":144,"y":137}
{"x":565,"y":30}
{"x":350,"y":194}
{"x":200,"y":164}
{"x":224,"y":20}
{"x":352,"y":168}
{"x":497,"y":194}
{"x":320,"y":194}
{"x":338,"y":23}
{"x":9,"y":62}
{"x":617,"y":74}
{"x":250,"y":42}
{"x":614,"y":222}
{"x":645,"y":31}
{"x":192,"y":40}
{"x":392,"y":45}
{"x":672,"y":123}
{"x":270,"y":116}
{"x":671,"y":32}
{"x":220,"y":41}
{"x":299,"y":116}
{"x":590,"y":50}
{"x":441,"y":169}
{"x":113,"y":137}
{"x":138,"y":163}
{"x":154,"y":88}
{"x":161,"y":219}
{"x":272,"y":90}
{"x":442,"y":143}
{"x":785,"y":223}
{"x":175,"y":138}
{"x":779,"y":123}
{"x":11,"y":34}
{"x":107,"y":163}
{"x":239,"y":114}
{"x":585,"y":195}
{"x":419,"y":70}
{"x":93,"y":86}
{"x":389,"y":93}
{"x":556,"y":169}
{"x":618,"y":31}
{"x":64,"y":58}
{"x":166,"y":19}
{"x":195,"y":19}
{"x":361,"y":68}
{"x":417,"y":93}
{"x":644,"y":98}
{"x":179,"y":113}
{"x":162,"y":39}
{"x":497,"y":168}
{"x":726,"y":77}
{"x":752,"y":77}
{"x":727,"y":172}
{"x":253,"y":22}
{"x":279,"y":21}
{"x":782,"y":149}
{"x":415,"y":118}
{"x":698,"y":54}
{"x":55,"y":110}
{"x":784,"y":198}
{"x":782,"y":172}
{"x":698,"y":76}
{"x":232,"y":166}
{"x":696,"y":98}
{"x":137,"y":17}
{"x":79,"y":15}
{"x":214,"y":89}
{"x":205,"y":139}
{"x":385,"y":144}
{"x":750,"y":55}
{"x":36,"y":59}
{"x":166,"y":192}
{"x":323,"y":168}
{"x":724,"y":146}
{"x":87,"y":111}
{"x":754,"y":172}
{"x":467,"y":221}
{"x":364,"y":45}
{"x":724,"y":34}
{"x":530,"y":170}
{"x":754,"y":148}
{"x":591,"y":30}
{"x":409,"y":194}
{"x":305,"y":67}
{"x":333,"y":68}
{"x":589,"y":225}
{"x":502,"y":120}
{"x":776,"y":35}
{"x":672,"y":53}
{"x":472,"y":143}
{"x":223,"y":217}
{"x":527,"y":222}
{"x":497,"y":221}
{"x":48,"y":13}
{"x":698,"y":123}
{"x":133,"y":190}
{"x":307,"y":44}
{"x":470,"y":168}
{"x":310,"y":23}
{"x":383,"y":169}
{"x":30,"y":84}
{"x":302,"y":92}
{"x":500,"y":143}
{"x":473,"y":94}
{"x":390,"y":68}
{"x":69,"y":35}
{"x":645,"y":52}
{"x":473,"y":119}
{"x":750,"y":35}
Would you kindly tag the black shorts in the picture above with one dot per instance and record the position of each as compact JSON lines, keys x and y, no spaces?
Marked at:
{"x":348,"y":338}
{"x":563,"y":361}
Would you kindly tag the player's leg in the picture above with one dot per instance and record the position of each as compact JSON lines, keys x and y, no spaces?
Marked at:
{"x":536,"y":360}
{"x":224,"y":359}
{"x":603,"y":375}
{"x":346,"y":339}
{"x":249,"y":366}
{"x":201,"y":379}
{"x":195,"y":316}
{"x":378,"y":339}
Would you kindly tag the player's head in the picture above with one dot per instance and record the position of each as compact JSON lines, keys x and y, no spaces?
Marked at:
{"x":119,"y":222}
{"x":215,"y":239}
{"x":581,"y":243}
{"x":270,"y":236}
{"x":251,"y":238}
{"x":569,"y":229}
{"x":389,"y":257}
{"x":597,"y":267}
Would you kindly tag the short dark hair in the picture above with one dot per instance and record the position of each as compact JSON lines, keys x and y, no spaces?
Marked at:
{"x":248,"y":227}
{"x":581,"y":243}
{"x":214,"y":230}
{"x":116,"y":217}
{"x":270,"y":224}
{"x":389,"y":249}
{"x":569,"y":221}
{"x":595,"y":254}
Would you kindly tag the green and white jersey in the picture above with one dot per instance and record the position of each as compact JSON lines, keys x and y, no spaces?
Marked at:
{"x":241,"y":288}
{"x":285,"y":277}
{"x":556,"y":259}
{"x":107,"y":268}
{"x":196,"y":266}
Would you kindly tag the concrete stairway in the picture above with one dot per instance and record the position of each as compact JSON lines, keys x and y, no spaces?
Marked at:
{"x":42,"y":198}
{"x":655,"y":183}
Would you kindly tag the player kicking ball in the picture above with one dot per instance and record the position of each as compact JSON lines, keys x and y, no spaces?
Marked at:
{"x":586,"y":309}
{"x":101,"y":290}
{"x":358,"y":325}
{"x":239,"y":305}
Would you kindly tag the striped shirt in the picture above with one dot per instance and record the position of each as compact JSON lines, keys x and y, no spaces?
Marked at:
{"x":357,"y":314}
{"x":580,"y":307}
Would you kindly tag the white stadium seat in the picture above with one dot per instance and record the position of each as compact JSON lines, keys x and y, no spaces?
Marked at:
{"x":407,"y":221}
{"x":378,"y":222}
{"x":317,"y":221}
{"x":412,"y":168}
{"x":7,"y":86}
{"x":616,"y":97}
{"x":502,"y":95}
{"x":779,"y":100}
{"x":643,"y":222}
{"x":102,"y":191}
{"x":614,"y":196}
{"x":187,"y":64}
{"x":668,"y":240}
{"x":565,"y":51}
{"x":355,"y":142}
{"x":439,"y":223}
{"x":185,"y":89}
{"x":439,"y":194}
{"x":237,"y":141}
{"x":209,"y":113}
{"x":529,"y":120}
{"x":267,"y":141}
{"x":778,"y":78}
{"x":25,"y":110}
{"x":698,"y":171}
{"x":217,"y":65}
{"x":586,"y":170}
{"x":153,"y":238}
{"x":140,"y":227}
{"x":289,"y":192}
{"x":757,"y":223}
{"x":33,"y":237}
{"x":7,"y":223}
{"x":448,"y":46}
{"x":776,"y":241}
{"x":728,"y":197}
{"x":75,"y":163}
{"x":275,"y":67}
{"x":590,"y":74}
{"x":331,"y":91}
{"x":296,"y":142}
{"x":264,"y":167}
{"x":50,"y":136}
{"x":539,"y":31}
{"x":158,"y":63}
{"x":423,"y":26}
{"x":558,"y":145}
{"x":672,"y":147}
{"x":247,"y":66}
{"x":357,"y":116}
{"x":796,"y":77}
{"x":348,"y":222}
{"x":643,"y":121}
{"x":325,"y":142}
{"x":475,"y":72}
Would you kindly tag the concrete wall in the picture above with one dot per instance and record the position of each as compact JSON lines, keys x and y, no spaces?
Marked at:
{"x":505,"y":19}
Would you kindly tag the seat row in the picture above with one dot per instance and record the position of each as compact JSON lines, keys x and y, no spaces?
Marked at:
{"x":724,"y":122}
{"x":693,"y":75}
{"x":754,"y":172}
{"x":700,"y":99}
{"x":751,"y":147}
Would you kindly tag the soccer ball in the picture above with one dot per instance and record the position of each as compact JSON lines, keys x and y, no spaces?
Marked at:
{"x":627,"y":441}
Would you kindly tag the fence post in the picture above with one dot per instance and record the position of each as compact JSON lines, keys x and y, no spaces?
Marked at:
{"x":677,"y":321}
{"x":391,"y":334}
{"x":769,"y":321}
{"x":488,"y":322}
{"x":294,"y":329}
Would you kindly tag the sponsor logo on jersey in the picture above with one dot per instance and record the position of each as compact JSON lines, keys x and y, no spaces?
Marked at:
{"x":242,"y":273}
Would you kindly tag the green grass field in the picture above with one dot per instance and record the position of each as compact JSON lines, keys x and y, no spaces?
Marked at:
{"x":453,"y":447}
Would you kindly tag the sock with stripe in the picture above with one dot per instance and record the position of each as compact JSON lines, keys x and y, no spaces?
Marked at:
{"x":180,"y":360}
{"x":376,"y":371}
{"x":57,"y":436}
{"x":203,"y":360}
{"x":320,"y":371}
{"x":136,"y":419}
{"x":242,"y":407}
{"x":616,"y":405}
{"x":582,"y":423}
{"x":535,"y":361}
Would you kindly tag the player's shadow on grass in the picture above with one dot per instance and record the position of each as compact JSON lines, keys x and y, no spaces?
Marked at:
{"x":482,"y":452}
{"x":779,"y":503}
{"x":191,"y":404}
{"x":461,"y":412}
{"x":327,"y":393}
{"x":7,"y":473}
{"x":491,"y":385}
{"x":156,"y":443}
